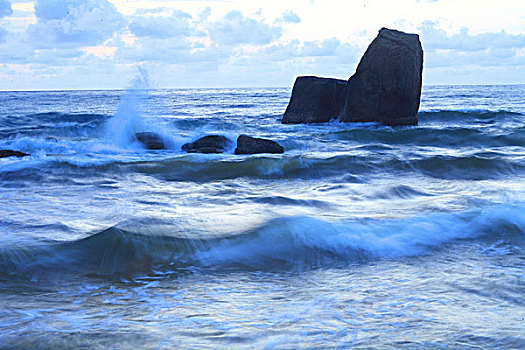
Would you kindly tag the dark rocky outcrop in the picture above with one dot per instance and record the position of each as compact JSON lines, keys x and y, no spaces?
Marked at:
{"x":10,"y":153}
{"x":252,"y":145}
{"x":208,"y":144}
{"x":150,"y":140}
{"x":315,"y":100}
{"x":387,"y":84}
{"x":386,"y":87}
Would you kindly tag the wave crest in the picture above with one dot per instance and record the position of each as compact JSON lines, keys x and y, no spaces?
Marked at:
{"x":482,"y":116}
{"x":291,"y":242}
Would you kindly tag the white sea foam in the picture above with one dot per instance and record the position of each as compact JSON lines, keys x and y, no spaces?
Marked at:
{"x":299,"y":239}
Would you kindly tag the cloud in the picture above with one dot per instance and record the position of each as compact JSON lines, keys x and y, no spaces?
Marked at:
{"x":435,"y":38}
{"x":327,"y":47}
{"x":74,"y":23}
{"x":173,"y":40}
{"x":487,"y":58}
{"x":16,"y":50}
{"x":331,"y":47}
{"x":178,"y":24}
{"x":290,"y":17}
{"x":464,"y":49}
{"x":205,"y":14}
{"x":154,"y":49}
{"x":5,"y":8}
{"x":184,"y":52}
{"x":153,"y":11}
{"x":73,"y":40}
{"x":235,"y":29}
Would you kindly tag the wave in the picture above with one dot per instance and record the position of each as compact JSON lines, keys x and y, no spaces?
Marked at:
{"x":479,"y":165}
{"x":468,"y":116}
{"x":458,"y":136}
{"x":204,"y":168}
{"x":400,"y":192}
{"x":52,"y":124}
{"x":291,"y":242}
{"x":52,"y":117}
{"x":58,"y":117}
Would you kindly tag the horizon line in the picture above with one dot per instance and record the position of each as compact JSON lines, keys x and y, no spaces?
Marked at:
{"x":218,"y":88}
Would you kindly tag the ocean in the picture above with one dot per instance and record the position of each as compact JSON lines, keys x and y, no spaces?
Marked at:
{"x":358,"y":236}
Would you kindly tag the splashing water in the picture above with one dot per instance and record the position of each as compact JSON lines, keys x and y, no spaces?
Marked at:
{"x":130,"y":120}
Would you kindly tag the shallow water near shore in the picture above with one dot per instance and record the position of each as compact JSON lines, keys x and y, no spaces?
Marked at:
{"x":359,"y":235}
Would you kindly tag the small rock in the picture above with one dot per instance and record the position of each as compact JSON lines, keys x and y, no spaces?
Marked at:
{"x":253,"y":145}
{"x":10,"y":153}
{"x":150,"y":140}
{"x":208,"y":144}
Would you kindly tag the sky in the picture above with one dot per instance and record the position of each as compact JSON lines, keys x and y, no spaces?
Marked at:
{"x":102,"y":44}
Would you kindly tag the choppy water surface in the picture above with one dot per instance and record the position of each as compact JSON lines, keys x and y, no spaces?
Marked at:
{"x":359,"y":235}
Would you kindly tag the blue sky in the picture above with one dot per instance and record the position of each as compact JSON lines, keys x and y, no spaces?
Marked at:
{"x":90,"y":44}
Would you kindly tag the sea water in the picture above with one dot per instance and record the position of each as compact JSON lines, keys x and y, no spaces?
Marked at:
{"x":358,"y":236}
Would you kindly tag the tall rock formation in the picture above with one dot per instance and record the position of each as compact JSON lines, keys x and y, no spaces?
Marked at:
{"x":386,"y":87}
{"x":387,"y":84}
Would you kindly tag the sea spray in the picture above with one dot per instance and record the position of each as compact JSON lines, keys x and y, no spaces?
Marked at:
{"x":130,"y":119}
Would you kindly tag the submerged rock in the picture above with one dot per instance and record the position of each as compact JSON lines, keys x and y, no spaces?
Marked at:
{"x":150,"y":140}
{"x":208,"y":144}
{"x":386,"y":87}
{"x":10,"y":153}
{"x":315,"y":100}
{"x":252,"y":145}
{"x":387,"y":84}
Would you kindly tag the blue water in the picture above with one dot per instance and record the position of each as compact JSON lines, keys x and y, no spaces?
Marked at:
{"x":358,"y":236}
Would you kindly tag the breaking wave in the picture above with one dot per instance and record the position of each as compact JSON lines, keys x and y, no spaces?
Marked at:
{"x":290,"y":242}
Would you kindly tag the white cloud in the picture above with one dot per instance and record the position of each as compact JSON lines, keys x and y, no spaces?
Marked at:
{"x":235,"y":29}
{"x":154,"y":49}
{"x":465,"y":49}
{"x":435,"y":38}
{"x":74,"y":23}
{"x":327,"y":47}
{"x":16,"y":50}
{"x":177,"y":24}
{"x":291,"y":17}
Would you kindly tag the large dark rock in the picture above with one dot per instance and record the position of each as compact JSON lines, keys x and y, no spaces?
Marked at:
{"x":10,"y":153}
{"x":150,"y":140}
{"x":315,"y":100}
{"x":387,"y":84}
{"x":253,"y":145}
{"x":386,"y":87}
{"x":208,"y":144}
